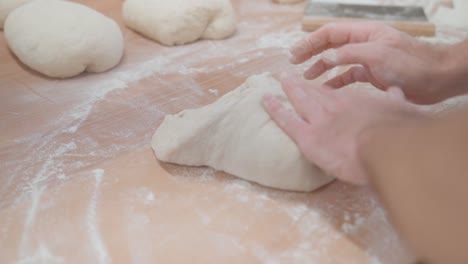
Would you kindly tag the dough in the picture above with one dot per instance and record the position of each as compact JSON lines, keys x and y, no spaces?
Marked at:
{"x":453,"y":17}
{"x":175,"y":22}
{"x":6,"y":6}
{"x":236,"y":135}
{"x":62,"y":39}
{"x":287,"y":1}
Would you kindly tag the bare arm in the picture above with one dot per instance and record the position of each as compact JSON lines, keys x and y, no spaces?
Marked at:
{"x":454,"y":71}
{"x":418,"y":163}
{"x":420,"y":171}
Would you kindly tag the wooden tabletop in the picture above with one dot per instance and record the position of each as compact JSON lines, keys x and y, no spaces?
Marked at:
{"x":80,"y":184}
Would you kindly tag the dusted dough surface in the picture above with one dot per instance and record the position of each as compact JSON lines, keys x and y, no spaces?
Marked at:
{"x":63,"y":39}
{"x":236,"y":135}
{"x":179,"y":22}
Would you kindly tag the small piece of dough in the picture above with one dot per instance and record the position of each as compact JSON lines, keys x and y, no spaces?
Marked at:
{"x":63,"y":39}
{"x":236,"y":135}
{"x":176,"y":22}
{"x":6,"y":6}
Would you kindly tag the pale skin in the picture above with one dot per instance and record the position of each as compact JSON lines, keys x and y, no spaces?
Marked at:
{"x":415,"y":161}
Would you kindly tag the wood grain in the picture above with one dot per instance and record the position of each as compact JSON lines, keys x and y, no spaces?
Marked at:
{"x":417,"y":29}
{"x":80,"y":184}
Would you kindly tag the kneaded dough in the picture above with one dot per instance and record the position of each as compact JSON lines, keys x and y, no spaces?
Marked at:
{"x":453,"y":17}
{"x":176,"y":22}
{"x":6,"y":6}
{"x":236,"y":135}
{"x":62,"y":39}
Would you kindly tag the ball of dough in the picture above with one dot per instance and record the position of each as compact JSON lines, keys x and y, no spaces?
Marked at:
{"x":6,"y":6}
{"x":177,"y":22}
{"x":63,"y":39}
{"x":236,"y":135}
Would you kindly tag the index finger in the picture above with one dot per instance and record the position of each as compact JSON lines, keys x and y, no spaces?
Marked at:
{"x":294,"y":126}
{"x":303,"y":96}
{"x":333,"y":35}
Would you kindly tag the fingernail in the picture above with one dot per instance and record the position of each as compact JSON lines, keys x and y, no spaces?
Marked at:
{"x":307,"y":43}
{"x":297,"y":50}
{"x":303,"y":47}
{"x":267,"y":98}
{"x":330,"y":56}
{"x":293,"y":58}
{"x":396,"y":93}
{"x":297,"y":47}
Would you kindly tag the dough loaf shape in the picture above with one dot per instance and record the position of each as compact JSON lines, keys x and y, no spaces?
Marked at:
{"x":177,"y":22}
{"x":6,"y":6}
{"x":236,"y":135}
{"x":62,"y":39}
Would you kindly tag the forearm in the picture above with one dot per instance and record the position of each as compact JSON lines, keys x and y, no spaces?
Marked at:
{"x":420,"y":171}
{"x":452,"y":72}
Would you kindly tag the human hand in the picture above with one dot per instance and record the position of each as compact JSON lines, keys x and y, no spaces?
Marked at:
{"x":329,"y":126}
{"x":383,"y":56}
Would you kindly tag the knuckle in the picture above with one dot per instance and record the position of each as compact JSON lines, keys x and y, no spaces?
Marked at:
{"x":382,"y":28}
{"x":376,"y":56}
{"x":394,"y":40}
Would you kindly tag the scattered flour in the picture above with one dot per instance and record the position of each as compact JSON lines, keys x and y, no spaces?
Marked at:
{"x":215,"y":92}
{"x":92,"y":222}
{"x":42,"y":255}
{"x":351,"y":225}
{"x":34,"y":190}
{"x":361,"y":217}
{"x":149,"y":198}
{"x":296,"y":212}
{"x":284,"y":40}
{"x":45,"y":152}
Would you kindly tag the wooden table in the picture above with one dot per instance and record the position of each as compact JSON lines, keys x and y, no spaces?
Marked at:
{"x":80,"y":184}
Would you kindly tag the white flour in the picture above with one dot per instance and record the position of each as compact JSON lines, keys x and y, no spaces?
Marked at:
{"x":79,"y":136}
{"x":311,"y":219}
{"x":284,"y":40}
{"x":92,"y":223}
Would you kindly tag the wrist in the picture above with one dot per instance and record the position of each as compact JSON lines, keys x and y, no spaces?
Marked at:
{"x":388,"y":131}
{"x":452,"y":71}
{"x":368,"y":139}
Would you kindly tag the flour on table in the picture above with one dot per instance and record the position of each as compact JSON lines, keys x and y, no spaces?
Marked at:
{"x":63,"y":39}
{"x":179,"y":22}
{"x":236,"y":135}
{"x":215,"y":92}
